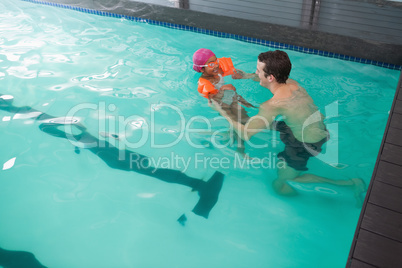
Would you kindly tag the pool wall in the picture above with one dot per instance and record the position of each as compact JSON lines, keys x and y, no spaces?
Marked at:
{"x":271,"y":35}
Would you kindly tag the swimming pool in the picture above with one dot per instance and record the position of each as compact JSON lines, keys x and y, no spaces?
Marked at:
{"x":63,"y":202}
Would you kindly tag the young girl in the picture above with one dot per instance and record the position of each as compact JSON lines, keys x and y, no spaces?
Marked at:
{"x":212,"y":86}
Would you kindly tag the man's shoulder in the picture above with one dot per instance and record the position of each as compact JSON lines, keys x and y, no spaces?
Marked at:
{"x":273,"y":103}
{"x":265,"y":104}
{"x":268,"y":108}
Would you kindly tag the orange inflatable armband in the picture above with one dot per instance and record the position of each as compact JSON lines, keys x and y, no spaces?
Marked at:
{"x":226,"y":65}
{"x":205,"y":87}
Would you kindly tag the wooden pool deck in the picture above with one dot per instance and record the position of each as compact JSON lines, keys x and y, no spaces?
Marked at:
{"x":378,"y":237}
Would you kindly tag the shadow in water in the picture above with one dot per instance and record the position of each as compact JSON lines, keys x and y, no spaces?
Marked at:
{"x":18,"y":259}
{"x":121,"y":159}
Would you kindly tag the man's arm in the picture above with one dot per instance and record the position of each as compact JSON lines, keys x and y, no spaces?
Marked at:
{"x":243,"y":75}
{"x":256,"y":124}
{"x":244,"y":102}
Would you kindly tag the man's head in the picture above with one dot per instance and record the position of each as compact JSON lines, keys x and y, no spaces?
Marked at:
{"x":275,"y":63}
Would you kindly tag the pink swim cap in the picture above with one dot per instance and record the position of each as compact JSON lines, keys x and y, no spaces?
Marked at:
{"x":200,"y":57}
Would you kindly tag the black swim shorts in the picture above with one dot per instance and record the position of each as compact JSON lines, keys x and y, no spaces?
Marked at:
{"x":296,"y":153}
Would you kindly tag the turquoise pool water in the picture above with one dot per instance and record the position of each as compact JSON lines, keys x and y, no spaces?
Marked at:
{"x":64,"y":204}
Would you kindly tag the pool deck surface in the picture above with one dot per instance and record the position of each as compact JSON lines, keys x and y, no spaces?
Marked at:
{"x":370,"y":29}
{"x":378,"y":237}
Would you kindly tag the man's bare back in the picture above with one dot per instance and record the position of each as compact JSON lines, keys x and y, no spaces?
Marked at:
{"x":298,"y":111}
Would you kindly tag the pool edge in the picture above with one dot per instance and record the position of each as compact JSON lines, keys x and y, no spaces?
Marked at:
{"x":361,"y":250}
{"x":148,"y":13}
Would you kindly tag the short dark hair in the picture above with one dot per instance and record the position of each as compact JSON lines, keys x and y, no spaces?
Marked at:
{"x":277,"y":63}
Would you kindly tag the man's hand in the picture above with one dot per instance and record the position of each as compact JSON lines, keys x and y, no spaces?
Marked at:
{"x":218,"y":108}
{"x":228,"y":87}
{"x":243,"y":75}
{"x":238,"y":74}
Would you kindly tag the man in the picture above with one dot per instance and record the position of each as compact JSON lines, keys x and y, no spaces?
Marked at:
{"x":302,"y":129}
